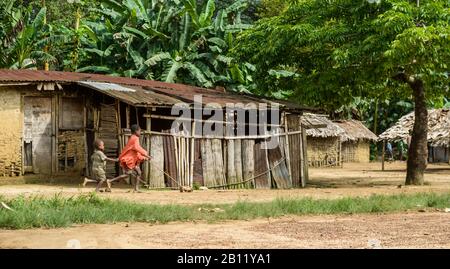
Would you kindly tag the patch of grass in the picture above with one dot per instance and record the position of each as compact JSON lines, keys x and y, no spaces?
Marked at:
{"x":58,"y":211}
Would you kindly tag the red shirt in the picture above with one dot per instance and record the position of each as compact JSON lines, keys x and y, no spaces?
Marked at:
{"x":132,"y":154}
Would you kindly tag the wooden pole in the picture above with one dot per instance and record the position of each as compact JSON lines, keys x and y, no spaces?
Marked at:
{"x":177,"y":162}
{"x":191,"y":176}
{"x":382,"y":155}
{"x":267,"y":159}
{"x":305,"y":157}
{"x":287,"y":149}
{"x":148,"y":137}
{"x":127,"y":112}
{"x":86,"y":153}
{"x":137,"y":115}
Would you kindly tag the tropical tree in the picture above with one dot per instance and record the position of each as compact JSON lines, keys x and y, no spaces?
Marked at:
{"x":338,"y":49}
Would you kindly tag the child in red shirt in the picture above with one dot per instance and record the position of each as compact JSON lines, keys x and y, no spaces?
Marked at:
{"x":131,"y":157}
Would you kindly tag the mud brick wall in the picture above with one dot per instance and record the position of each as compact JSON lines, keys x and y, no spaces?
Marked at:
{"x":11,"y":120}
{"x":322,"y":151}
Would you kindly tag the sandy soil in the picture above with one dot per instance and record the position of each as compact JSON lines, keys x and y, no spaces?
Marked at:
{"x":406,"y":230}
{"x":352,"y":180}
{"x":400,"y":230}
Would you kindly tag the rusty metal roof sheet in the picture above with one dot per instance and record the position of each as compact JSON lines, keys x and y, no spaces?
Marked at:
{"x":133,"y":95}
{"x":171,"y":91}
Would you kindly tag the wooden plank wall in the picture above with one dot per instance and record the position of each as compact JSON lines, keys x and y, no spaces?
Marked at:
{"x":295,"y":149}
{"x":248,"y":162}
{"x":169,"y":160}
{"x":156,"y":173}
{"x":261,"y":166}
{"x":107,"y":132}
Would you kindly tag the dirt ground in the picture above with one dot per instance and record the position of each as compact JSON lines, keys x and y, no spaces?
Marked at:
{"x":352,"y":180}
{"x":399,"y":230}
{"x":406,"y":230}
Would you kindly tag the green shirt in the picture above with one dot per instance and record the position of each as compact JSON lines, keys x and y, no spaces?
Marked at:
{"x":98,"y":160}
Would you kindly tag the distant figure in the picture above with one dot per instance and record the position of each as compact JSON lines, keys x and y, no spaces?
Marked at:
{"x":389,"y":151}
{"x":408,"y":141}
{"x":401,"y":149}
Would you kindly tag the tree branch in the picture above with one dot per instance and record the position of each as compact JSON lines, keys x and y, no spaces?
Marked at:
{"x":404,"y":78}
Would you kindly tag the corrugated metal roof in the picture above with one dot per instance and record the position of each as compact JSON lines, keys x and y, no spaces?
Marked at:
{"x":133,"y":95}
{"x":160,"y":92}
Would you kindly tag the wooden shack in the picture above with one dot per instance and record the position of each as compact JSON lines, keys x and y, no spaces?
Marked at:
{"x":52,"y":119}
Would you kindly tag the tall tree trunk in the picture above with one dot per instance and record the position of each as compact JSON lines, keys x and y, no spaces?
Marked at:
{"x":418,"y":150}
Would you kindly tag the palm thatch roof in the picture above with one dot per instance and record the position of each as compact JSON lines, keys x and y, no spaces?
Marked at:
{"x":438,"y":128}
{"x":355,"y":131}
{"x":329,"y":128}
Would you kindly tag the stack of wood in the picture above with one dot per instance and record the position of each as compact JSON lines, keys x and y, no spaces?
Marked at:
{"x":12,"y":170}
{"x":70,"y":147}
{"x":108,"y":132}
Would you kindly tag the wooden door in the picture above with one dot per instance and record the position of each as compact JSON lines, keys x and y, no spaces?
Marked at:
{"x":37,"y":133}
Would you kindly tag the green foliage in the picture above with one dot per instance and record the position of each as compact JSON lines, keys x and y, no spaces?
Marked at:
{"x":172,"y":41}
{"x":341,"y":49}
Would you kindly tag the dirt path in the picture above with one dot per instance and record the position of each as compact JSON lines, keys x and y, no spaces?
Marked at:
{"x":352,"y":180}
{"x":405,"y":230}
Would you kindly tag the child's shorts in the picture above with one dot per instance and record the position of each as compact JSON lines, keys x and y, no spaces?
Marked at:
{"x":99,"y":174}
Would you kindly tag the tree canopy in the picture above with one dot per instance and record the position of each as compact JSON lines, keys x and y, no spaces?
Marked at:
{"x":328,"y":52}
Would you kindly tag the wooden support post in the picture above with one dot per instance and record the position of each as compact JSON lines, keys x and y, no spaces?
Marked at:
{"x":382,"y":155}
{"x":127,"y":112}
{"x":66,"y":164}
{"x":148,"y":127}
{"x":267,"y":158}
{"x":119,"y":135}
{"x":191,"y":175}
{"x":341,"y":163}
{"x":55,"y":118}
{"x":287,"y":149}
{"x":137,"y":115}
{"x":305,"y":156}
{"x":86,"y":157}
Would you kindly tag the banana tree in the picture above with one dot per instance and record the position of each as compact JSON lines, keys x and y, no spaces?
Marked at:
{"x":173,"y":41}
{"x":27,"y":50}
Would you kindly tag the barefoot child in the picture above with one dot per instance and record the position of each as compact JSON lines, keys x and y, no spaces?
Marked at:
{"x":99,"y":159}
{"x":131,"y":157}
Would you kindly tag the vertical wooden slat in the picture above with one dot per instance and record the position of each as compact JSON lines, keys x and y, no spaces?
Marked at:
{"x":148,"y":127}
{"x":208,"y":163}
{"x":156,"y":174}
{"x":238,"y":161}
{"x":191,"y":175}
{"x":305,"y":178}
{"x":219,"y":177}
{"x":127,"y":115}
{"x":263,"y":180}
{"x":382,"y":155}
{"x":248,"y":161}
{"x":231,"y":171}
{"x":288,"y":159}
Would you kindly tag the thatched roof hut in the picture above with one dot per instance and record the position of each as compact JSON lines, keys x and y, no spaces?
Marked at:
{"x":323,"y":140}
{"x":327,"y":127}
{"x":438,"y":128}
{"x":354,"y":131}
